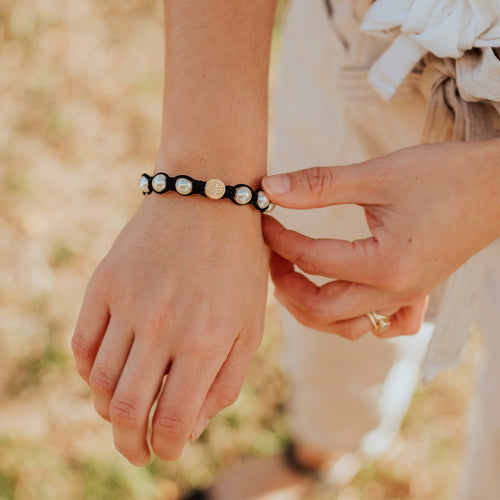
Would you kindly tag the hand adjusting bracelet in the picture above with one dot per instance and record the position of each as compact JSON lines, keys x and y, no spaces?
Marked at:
{"x":215,"y":189}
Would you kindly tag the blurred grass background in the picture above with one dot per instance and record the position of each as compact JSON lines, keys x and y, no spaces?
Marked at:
{"x":80,"y":103}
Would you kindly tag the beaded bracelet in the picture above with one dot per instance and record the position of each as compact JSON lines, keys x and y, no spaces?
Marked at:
{"x":215,"y":189}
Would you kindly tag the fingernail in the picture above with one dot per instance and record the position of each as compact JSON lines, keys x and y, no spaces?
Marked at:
{"x":276,"y":184}
{"x":199,"y":428}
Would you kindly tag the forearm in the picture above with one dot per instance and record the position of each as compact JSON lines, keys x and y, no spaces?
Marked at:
{"x":488,"y":179}
{"x":216,"y":86}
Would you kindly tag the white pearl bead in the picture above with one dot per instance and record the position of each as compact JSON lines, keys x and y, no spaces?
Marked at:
{"x":243,"y":195}
{"x":262,"y":200}
{"x":159,"y":182}
{"x":144,"y":184}
{"x":183,"y":186}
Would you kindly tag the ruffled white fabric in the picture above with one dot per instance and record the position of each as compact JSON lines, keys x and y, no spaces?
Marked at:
{"x":447,"y":28}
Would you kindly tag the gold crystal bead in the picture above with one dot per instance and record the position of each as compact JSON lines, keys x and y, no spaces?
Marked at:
{"x":215,"y":189}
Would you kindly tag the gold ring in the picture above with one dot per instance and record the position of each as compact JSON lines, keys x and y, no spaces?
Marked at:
{"x":379,"y":322}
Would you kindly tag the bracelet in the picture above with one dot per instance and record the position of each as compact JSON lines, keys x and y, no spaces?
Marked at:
{"x":215,"y":189}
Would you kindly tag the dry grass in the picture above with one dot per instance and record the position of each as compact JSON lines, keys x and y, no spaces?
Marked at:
{"x":80,"y":93}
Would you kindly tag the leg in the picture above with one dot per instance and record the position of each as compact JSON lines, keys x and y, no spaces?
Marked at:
{"x":325,"y":114}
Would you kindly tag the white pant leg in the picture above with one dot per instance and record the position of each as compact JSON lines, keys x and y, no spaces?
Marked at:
{"x":481,"y":471}
{"x":341,"y":394}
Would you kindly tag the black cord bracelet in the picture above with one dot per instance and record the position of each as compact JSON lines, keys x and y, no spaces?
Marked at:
{"x":215,"y":189}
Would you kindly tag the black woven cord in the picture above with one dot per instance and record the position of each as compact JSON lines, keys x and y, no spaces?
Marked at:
{"x":199,"y":188}
{"x":230,"y":192}
{"x":170,"y":183}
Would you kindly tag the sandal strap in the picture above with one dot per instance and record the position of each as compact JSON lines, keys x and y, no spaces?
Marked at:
{"x":197,"y":495}
{"x":290,"y":457}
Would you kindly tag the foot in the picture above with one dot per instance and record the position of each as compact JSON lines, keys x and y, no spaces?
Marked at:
{"x":280,"y":477}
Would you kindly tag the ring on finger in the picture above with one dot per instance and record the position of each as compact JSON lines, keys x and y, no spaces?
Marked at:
{"x":379,"y":322}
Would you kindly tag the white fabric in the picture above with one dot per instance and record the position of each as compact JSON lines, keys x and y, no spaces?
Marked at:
{"x":481,"y":480}
{"x":455,"y":319}
{"x":345,"y":395}
{"x":447,"y":28}
{"x":452,"y":118}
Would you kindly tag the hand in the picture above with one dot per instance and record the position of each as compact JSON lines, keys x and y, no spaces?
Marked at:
{"x":181,"y":293}
{"x":429,"y":208}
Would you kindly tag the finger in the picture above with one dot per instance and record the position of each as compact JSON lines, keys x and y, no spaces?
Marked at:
{"x":351,"y":329}
{"x":227,"y":384}
{"x":323,"y":186}
{"x":179,"y":404}
{"x":89,"y":331}
{"x":343,"y":260}
{"x":331,"y":302}
{"x":407,"y":320}
{"x":133,"y":398}
{"x":108,"y":365}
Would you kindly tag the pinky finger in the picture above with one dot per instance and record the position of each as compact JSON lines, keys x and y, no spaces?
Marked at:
{"x":89,"y":331}
{"x":226,"y":386}
{"x":407,"y":320}
{"x":351,"y":329}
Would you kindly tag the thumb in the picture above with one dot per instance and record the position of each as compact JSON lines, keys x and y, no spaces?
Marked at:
{"x":318,"y":187}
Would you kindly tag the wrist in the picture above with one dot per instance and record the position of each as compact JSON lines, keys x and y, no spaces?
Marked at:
{"x":486,"y":170}
{"x":235,"y":165}
{"x":223,"y":226}
{"x":201,"y":213}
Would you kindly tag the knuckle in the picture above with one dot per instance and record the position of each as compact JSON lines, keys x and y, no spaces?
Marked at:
{"x":171,"y":425}
{"x":100,"y":380}
{"x":132,"y":455}
{"x":306,"y":262}
{"x":305,"y":320}
{"x":227,"y":396}
{"x":124,"y":412}
{"x":101,"y":280}
{"x":102,"y":411}
{"x":351,"y":334}
{"x":80,"y":346}
{"x":102,"y":277}
{"x":158,"y":317}
{"x":412,"y":330}
{"x":413,"y":327}
{"x":318,"y":180}
{"x":202,"y":347}
{"x":316,"y":313}
{"x":252,"y":342}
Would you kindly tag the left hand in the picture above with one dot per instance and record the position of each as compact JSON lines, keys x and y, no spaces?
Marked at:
{"x":429,"y":208}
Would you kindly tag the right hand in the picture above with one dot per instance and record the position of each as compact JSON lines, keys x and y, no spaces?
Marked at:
{"x":181,"y":293}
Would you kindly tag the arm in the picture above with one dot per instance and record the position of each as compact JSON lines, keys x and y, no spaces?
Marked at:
{"x":182,"y":291}
{"x":429,"y":209}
